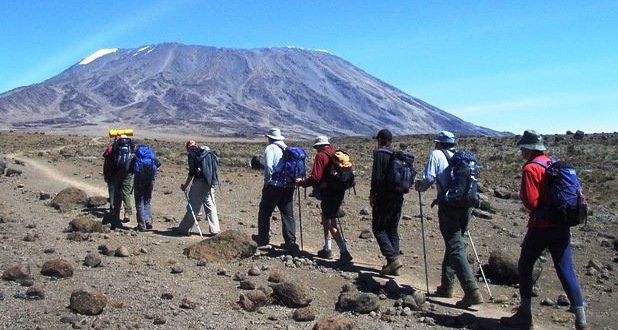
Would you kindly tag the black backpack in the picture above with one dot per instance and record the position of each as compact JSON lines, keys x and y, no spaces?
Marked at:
{"x":208,"y":166}
{"x":400,"y":172}
{"x":462,"y":191}
{"x":122,"y":153}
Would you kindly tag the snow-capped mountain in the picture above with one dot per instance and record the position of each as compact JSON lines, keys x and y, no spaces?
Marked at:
{"x":219,"y":91}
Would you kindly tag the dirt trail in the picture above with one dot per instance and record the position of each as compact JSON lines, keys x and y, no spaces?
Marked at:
{"x":46,"y":172}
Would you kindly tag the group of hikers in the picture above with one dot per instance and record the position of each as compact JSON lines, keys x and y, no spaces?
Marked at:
{"x":392,"y":176}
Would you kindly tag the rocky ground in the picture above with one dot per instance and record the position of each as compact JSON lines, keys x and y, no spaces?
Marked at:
{"x":56,"y":277}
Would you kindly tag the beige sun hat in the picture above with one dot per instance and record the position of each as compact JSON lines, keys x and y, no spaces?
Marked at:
{"x":321,"y":141}
{"x":275,"y":134}
{"x":531,"y":140}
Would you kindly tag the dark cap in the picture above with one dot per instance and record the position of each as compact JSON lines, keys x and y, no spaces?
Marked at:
{"x":384,"y":134}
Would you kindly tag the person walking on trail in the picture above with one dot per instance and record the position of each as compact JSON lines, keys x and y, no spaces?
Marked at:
{"x":144,"y":167}
{"x":453,"y":224}
{"x":202,"y":192}
{"x":385,"y":204}
{"x":109,"y":170}
{"x":122,"y":180}
{"x":542,"y":234}
{"x":276,"y":194}
{"x":331,"y":200}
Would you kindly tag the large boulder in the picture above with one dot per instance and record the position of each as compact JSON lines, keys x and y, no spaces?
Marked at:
{"x":291,"y":294}
{"x":358,"y":302}
{"x":88,"y":302}
{"x":57,"y":268}
{"x":85,"y":225}
{"x":502,"y":267}
{"x":228,"y":245}
{"x":69,"y":198}
{"x":17,"y":273}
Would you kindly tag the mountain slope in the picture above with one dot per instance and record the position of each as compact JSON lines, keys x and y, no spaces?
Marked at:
{"x":217,"y":91}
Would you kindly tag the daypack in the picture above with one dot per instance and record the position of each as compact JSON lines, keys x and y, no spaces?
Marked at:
{"x":340,"y":175}
{"x":567,"y":203}
{"x":144,"y":164}
{"x":291,"y":166}
{"x":400,"y":172}
{"x":122,"y":153}
{"x":462,"y":191}
{"x":208,"y":166}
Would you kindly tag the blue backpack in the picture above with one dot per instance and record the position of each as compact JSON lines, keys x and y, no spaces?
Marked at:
{"x":567,"y":204}
{"x":463,"y":187}
{"x":144,"y":164}
{"x":291,"y":166}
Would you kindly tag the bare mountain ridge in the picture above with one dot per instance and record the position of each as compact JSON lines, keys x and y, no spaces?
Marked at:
{"x":218,"y":91}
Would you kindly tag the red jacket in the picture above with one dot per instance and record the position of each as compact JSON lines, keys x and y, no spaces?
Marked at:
{"x":108,"y":164}
{"x":320,"y":166}
{"x":534,"y":191}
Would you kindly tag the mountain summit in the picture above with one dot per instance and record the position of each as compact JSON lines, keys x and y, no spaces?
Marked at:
{"x":220,"y":91}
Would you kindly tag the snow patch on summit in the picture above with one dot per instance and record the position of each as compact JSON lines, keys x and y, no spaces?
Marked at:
{"x":97,"y":54}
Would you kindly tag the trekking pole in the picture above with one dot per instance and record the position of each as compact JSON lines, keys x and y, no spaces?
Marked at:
{"x":340,"y":228}
{"x":420,"y":205}
{"x":193,"y":213}
{"x":300,"y":219}
{"x":480,"y":266}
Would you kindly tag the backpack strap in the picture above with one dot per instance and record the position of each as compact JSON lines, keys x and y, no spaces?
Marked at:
{"x":448,"y":158}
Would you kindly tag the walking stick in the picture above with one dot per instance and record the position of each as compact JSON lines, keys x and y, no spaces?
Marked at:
{"x":300,"y":219}
{"x":193,"y":213}
{"x":480,"y":266}
{"x":420,"y":205}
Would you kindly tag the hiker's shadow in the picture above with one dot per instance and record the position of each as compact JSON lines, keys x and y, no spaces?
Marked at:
{"x":99,"y":212}
{"x":464,"y":320}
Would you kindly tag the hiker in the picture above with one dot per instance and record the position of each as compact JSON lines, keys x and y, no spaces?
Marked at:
{"x":331,"y":200}
{"x":276,"y":194}
{"x":453,"y":222}
{"x":385,"y":204}
{"x":144,"y":166}
{"x":202,"y":191}
{"x":542,"y":234}
{"x":122,"y":180}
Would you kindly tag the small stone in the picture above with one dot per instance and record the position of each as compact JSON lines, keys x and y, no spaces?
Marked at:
{"x":143,"y":250}
{"x":366,"y":234}
{"x":122,"y":252}
{"x":158,"y":320}
{"x":547,"y":302}
{"x":222,"y":272}
{"x":92,"y":260}
{"x":303,"y":314}
{"x":364,"y":211}
{"x":167,"y":296}
{"x":254,"y":271}
{"x":177,"y":269}
{"x":500,"y":299}
{"x":562,"y":300}
{"x":35,"y":292}
{"x":187,"y":303}
{"x":247,"y":285}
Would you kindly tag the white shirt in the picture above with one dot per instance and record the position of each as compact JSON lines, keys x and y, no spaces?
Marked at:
{"x":435,"y":169}
{"x":272,"y":154}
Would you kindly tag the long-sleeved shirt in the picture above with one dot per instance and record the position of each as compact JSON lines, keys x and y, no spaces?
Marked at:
{"x":381,"y":159}
{"x":320,"y":166}
{"x":534,"y":192}
{"x":272,"y":155}
{"x":435,"y":171}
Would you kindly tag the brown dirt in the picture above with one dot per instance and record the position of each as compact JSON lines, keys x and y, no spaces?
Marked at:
{"x":134,"y":285}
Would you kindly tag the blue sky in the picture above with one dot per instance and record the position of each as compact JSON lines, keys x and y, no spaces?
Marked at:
{"x":507,"y":65}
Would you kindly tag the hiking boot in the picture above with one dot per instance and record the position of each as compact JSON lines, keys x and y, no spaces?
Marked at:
{"x":140,"y":228}
{"x":260,"y":240}
{"x":293,"y":249}
{"x":520,"y":320}
{"x":325,"y":254}
{"x":444,"y":292}
{"x":344,"y":258}
{"x":149,"y":226}
{"x":582,"y":327}
{"x":391,"y":267}
{"x":469,"y":299}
